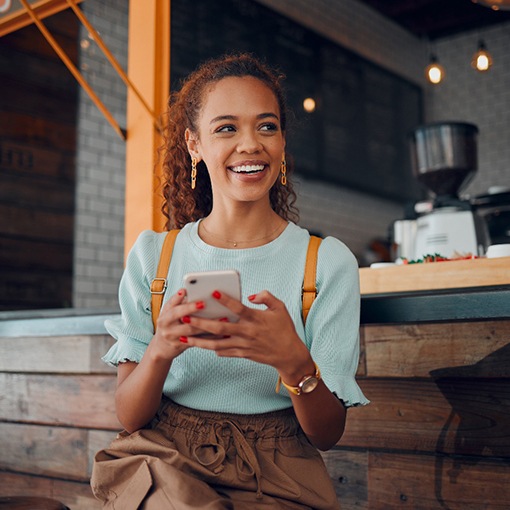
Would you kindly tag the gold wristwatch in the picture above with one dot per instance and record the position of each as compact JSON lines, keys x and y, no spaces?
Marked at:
{"x":307,"y":384}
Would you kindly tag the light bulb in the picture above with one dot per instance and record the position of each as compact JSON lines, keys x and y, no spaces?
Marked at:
{"x":482,"y":59}
{"x":434,"y":71}
{"x":309,"y":104}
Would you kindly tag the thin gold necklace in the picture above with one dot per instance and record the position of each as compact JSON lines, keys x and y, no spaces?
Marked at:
{"x":235,"y":243}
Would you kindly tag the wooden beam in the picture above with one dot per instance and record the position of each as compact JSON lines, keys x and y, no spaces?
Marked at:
{"x":19,"y":18}
{"x":149,"y":68}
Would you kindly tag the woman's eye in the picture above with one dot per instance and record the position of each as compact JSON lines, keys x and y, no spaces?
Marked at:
{"x":225,"y":129}
{"x":269,"y":126}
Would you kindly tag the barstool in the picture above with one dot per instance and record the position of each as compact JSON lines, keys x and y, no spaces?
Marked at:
{"x":30,"y":503}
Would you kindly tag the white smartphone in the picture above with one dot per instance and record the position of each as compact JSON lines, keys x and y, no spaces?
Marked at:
{"x":200,"y":286}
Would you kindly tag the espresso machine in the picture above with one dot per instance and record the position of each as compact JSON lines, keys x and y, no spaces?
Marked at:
{"x":444,"y":159}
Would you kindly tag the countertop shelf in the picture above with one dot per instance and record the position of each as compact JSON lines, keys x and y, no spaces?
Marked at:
{"x":436,"y":276}
{"x":463,"y":290}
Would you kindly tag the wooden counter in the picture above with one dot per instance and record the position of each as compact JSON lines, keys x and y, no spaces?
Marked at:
{"x":467,"y":290}
{"x":436,"y":434}
{"x":435,"y":276}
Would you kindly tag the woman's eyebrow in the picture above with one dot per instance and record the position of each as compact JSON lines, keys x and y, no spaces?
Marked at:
{"x":221,"y":118}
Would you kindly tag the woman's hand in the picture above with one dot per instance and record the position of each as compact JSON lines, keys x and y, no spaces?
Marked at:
{"x":173,"y":324}
{"x":269,"y":336}
{"x":140,"y":385}
{"x":265,"y":336}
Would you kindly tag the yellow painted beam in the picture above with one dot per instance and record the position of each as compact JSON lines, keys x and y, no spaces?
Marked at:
{"x":16,"y":18}
{"x":149,"y":69}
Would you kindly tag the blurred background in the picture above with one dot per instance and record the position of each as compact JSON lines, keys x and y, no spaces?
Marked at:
{"x":356,"y":85}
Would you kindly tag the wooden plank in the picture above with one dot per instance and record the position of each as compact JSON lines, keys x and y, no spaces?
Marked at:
{"x":74,"y":400}
{"x":450,"y":415}
{"x":57,"y":452}
{"x":26,"y":159}
{"x":34,"y":290}
{"x":52,"y":451}
{"x":76,"y":495}
{"x":427,"y":482}
{"x":59,"y":354}
{"x":39,"y":192}
{"x":43,"y":101}
{"x":436,"y":275}
{"x":55,"y":226}
{"x":25,"y":255}
{"x":481,"y":348}
{"x":35,"y":130}
{"x":349,"y":473}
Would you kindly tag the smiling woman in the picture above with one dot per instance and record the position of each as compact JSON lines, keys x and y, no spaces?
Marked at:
{"x":223,"y":120}
{"x":205,"y":421}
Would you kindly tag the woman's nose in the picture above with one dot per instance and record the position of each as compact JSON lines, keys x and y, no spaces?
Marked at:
{"x":248,"y":142}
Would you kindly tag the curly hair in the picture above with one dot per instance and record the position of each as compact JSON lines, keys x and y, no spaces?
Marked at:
{"x":181,"y":203}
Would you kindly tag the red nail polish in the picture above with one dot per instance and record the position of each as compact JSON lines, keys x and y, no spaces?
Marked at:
{"x":183,"y":339}
{"x":200,"y":305}
{"x":180,"y":292}
{"x":186,"y":319}
{"x":224,"y":319}
{"x":216,"y":294}
{"x":252,"y":297}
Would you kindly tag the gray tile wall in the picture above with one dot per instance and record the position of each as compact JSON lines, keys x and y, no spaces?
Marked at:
{"x":99,"y":224}
{"x":480,"y":98}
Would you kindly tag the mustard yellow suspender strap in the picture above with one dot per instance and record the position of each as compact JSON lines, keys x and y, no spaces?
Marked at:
{"x":309,"y":286}
{"x":159,"y":284}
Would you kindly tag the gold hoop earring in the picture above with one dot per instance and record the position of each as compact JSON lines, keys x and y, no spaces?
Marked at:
{"x":283,"y":170}
{"x":193,"y":172}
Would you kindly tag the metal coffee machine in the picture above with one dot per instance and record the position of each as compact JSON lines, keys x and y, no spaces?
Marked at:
{"x":444,"y":159}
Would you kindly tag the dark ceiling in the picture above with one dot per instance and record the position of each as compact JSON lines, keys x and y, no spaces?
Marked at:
{"x":438,"y":18}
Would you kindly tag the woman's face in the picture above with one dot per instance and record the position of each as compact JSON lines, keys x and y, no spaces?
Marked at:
{"x":239,"y":139}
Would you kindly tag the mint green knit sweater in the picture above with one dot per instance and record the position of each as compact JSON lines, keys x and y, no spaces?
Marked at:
{"x":201,"y":380}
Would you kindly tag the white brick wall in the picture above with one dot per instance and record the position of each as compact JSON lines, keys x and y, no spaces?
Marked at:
{"x":480,"y":98}
{"x":99,"y":224}
{"x":351,"y":216}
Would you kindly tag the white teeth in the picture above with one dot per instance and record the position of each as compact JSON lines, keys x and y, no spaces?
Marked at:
{"x":247,"y":168}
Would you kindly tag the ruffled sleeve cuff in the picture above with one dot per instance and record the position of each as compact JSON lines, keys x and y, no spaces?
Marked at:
{"x":126,"y":348}
{"x":348,"y":391}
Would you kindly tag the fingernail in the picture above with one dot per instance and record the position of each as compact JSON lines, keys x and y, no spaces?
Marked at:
{"x":224,"y":319}
{"x":183,"y":339}
{"x":186,"y":319}
{"x":216,"y":294}
{"x":252,"y":297}
{"x":200,"y":305}
{"x":180,"y":292}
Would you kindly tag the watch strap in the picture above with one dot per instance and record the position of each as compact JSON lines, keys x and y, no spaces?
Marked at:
{"x":297,"y":389}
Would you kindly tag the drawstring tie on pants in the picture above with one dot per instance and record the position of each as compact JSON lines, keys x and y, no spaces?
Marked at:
{"x":245,"y":456}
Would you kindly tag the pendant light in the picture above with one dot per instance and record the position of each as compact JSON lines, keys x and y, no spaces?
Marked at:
{"x":482,"y":59}
{"x":495,"y":5}
{"x":434,"y":71}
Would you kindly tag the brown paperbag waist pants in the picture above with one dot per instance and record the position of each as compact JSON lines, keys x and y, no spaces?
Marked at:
{"x":188,"y":459}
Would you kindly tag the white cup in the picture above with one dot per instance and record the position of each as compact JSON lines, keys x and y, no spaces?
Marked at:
{"x":498,"y":250}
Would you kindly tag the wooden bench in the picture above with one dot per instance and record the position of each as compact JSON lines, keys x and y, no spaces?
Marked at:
{"x":56,"y":411}
{"x":436,"y":433}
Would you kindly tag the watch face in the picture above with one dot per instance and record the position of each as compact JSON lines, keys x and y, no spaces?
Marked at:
{"x":308,"y":385}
